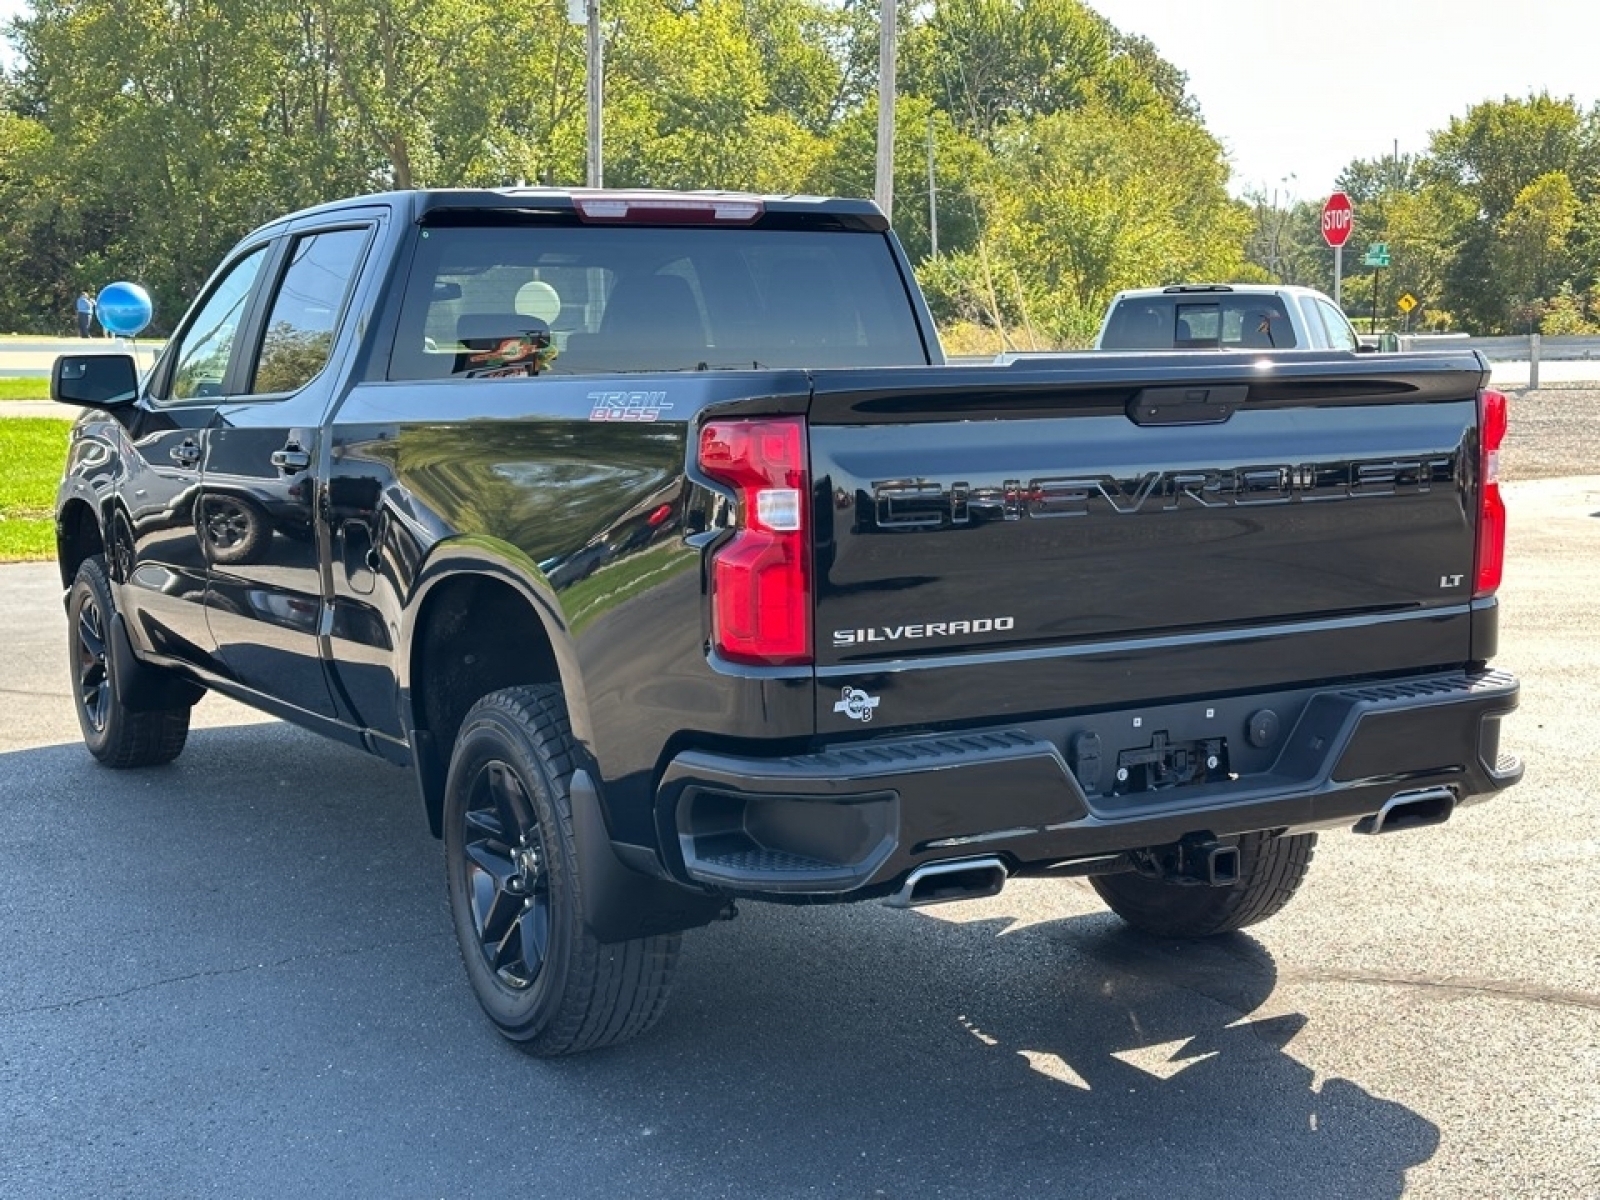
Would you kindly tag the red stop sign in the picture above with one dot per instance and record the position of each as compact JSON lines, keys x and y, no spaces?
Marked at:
{"x":1338,"y":219}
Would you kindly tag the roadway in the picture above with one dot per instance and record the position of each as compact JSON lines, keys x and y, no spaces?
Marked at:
{"x":235,"y":976}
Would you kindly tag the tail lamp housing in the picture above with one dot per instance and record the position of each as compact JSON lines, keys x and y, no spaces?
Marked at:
{"x":1491,"y":543}
{"x":761,"y":577}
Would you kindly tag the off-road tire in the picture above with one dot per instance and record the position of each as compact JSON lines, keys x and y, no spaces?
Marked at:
{"x":116,"y":735}
{"x":512,"y":869}
{"x":1270,"y":871}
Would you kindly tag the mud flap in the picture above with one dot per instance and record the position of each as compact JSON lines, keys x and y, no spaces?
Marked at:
{"x":619,"y":903}
{"x":141,"y":687}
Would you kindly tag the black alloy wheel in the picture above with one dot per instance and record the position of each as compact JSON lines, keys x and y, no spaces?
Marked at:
{"x":117,"y":735}
{"x":94,"y":679}
{"x":516,"y":886}
{"x":507,"y":876}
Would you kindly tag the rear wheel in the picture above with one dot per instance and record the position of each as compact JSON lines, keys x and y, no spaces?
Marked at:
{"x":115,"y":734}
{"x":1271,"y":869}
{"x":516,"y":895}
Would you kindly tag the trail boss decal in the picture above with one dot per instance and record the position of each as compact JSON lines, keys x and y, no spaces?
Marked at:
{"x":627,"y":406}
{"x":916,"y":633}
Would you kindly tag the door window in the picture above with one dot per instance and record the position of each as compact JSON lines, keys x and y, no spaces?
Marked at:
{"x":1339,"y":332}
{"x":305,"y":312}
{"x":1314,"y":326}
{"x":201,"y":359}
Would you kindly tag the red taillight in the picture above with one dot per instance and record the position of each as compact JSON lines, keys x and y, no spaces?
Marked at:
{"x":761,"y":578}
{"x":1491,"y":508}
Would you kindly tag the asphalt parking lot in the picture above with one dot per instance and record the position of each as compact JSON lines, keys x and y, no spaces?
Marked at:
{"x":235,"y":976}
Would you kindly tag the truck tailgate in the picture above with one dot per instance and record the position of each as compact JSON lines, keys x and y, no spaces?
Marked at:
{"x":1106,"y":529}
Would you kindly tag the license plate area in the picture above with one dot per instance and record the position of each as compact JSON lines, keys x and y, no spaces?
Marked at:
{"x":1164,"y":763}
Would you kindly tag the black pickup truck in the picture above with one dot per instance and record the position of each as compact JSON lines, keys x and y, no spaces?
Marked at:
{"x":654,"y":534}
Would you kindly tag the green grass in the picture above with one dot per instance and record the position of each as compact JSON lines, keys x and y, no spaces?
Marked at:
{"x":25,"y":388}
{"x":33,"y":451}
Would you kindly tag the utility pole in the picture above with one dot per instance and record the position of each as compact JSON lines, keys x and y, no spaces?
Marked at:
{"x":595,"y":174}
{"x":883,"y":189}
{"x":933,"y":196}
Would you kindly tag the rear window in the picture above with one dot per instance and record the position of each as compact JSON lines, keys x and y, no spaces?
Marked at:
{"x":508,"y":299}
{"x":1215,"y":322}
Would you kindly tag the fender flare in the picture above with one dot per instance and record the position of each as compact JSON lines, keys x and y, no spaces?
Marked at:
{"x":490,"y":558}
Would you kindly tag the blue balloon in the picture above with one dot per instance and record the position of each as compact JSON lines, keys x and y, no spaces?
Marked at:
{"x":123,"y":308}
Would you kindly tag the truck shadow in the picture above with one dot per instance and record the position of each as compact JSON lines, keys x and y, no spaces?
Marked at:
{"x":274,"y":903}
{"x":1071,"y":1057}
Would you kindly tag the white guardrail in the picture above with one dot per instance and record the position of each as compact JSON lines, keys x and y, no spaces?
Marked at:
{"x":1530,"y":348}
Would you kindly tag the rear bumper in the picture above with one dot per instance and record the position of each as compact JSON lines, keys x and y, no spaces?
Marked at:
{"x":851,"y":821}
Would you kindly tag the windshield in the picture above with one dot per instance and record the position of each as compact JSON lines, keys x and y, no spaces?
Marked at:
{"x":535,"y":299}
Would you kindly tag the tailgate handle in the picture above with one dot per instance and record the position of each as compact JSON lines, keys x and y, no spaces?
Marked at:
{"x":1186,"y":405}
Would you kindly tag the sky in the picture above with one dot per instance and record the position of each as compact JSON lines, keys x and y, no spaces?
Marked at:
{"x":1296,"y":89}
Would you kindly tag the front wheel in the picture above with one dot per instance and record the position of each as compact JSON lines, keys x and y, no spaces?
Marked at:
{"x":115,"y":734}
{"x":516,"y":896}
{"x":1271,"y":868}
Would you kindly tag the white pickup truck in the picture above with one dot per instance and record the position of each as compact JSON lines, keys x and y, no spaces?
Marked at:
{"x":1225,"y":316}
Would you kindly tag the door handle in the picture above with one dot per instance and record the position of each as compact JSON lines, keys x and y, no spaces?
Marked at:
{"x":186,"y":453}
{"x":291,"y":459}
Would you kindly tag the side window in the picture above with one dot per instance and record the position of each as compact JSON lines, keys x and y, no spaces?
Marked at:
{"x":305,"y":312}
{"x":1339,"y":331}
{"x":1313,"y":319}
{"x":201,"y":359}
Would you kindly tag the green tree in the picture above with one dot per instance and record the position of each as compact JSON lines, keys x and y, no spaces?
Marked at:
{"x":140,"y":138}
{"x":1421,"y":228}
{"x":689,"y":105}
{"x":1500,"y":147}
{"x":847,"y":169}
{"x":155,"y":116}
{"x":1092,"y":203}
{"x":1369,"y":182}
{"x":1494,"y":172}
{"x":452,"y":92}
{"x":1285,"y":243}
{"x":991,"y":63}
{"x":1534,"y":236}
{"x":1569,"y":314}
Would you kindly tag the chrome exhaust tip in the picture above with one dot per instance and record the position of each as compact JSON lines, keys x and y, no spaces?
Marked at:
{"x":944,"y":882}
{"x":1410,"y":810}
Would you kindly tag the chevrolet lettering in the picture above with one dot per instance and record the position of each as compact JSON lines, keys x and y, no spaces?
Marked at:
{"x":918,"y":504}
{"x":653,"y":534}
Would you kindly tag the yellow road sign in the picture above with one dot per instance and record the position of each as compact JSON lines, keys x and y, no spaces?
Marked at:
{"x":1407,"y":302}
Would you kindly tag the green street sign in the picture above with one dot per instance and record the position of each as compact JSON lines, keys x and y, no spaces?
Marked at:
{"x":1377,"y":255}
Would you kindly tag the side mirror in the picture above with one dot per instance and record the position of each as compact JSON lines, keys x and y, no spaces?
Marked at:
{"x":94,"y":380}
